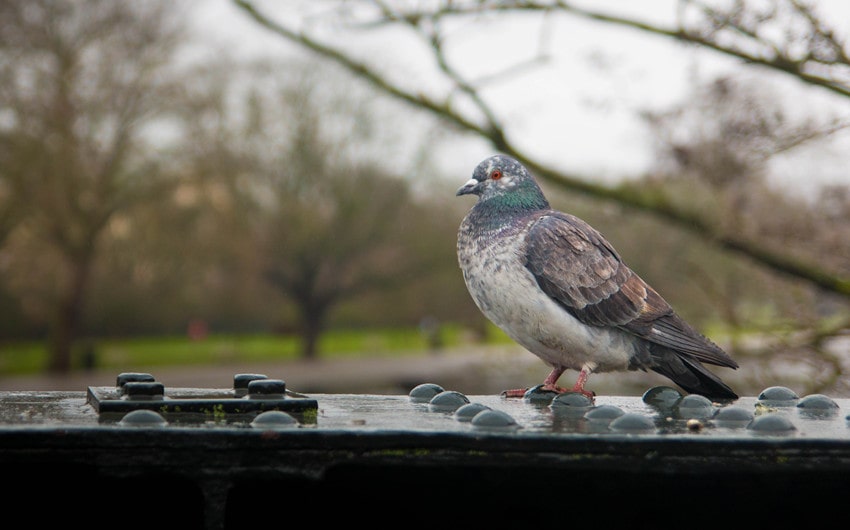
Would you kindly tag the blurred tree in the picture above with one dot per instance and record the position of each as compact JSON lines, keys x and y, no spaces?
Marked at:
{"x":320,"y":204}
{"x":723,"y":142}
{"x":713,"y":156}
{"x":79,"y":83}
{"x":341,"y":228}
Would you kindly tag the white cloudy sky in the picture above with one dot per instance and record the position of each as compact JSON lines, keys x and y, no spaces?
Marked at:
{"x":579,"y":112}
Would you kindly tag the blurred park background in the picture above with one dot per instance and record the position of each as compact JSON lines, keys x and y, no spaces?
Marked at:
{"x":261,"y":184}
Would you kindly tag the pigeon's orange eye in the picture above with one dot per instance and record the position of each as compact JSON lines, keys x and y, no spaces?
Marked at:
{"x":496,"y":174}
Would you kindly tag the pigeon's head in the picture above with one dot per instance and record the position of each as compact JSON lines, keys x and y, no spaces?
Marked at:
{"x":502,"y":177}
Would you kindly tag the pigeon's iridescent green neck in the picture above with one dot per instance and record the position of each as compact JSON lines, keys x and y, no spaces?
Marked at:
{"x":525,"y":197}
{"x":497,"y":210}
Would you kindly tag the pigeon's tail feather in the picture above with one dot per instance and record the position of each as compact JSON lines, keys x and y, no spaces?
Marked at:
{"x":689,"y":374}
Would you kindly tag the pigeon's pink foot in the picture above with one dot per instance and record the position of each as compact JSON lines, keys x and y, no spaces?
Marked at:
{"x":588,"y":393}
{"x":550,"y":385}
{"x":579,"y":389}
{"x":514,"y":393}
{"x":520,"y":392}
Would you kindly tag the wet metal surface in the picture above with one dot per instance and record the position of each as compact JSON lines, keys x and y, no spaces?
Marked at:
{"x":223,"y":452}
{"x":819,"y":418}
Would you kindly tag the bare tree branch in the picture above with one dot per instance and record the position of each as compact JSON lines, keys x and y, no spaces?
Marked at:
{"x":804,"y":68}
{"x":363,"y":70}
{"x":494,"y":133}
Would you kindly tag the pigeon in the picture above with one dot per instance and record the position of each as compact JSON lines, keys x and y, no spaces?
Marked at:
{"x":558,"y":288}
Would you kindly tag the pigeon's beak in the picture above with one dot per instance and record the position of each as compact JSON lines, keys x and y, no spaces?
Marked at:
{"x":471,"y":186}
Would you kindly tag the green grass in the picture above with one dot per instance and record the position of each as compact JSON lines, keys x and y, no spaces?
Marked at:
{"x":21,"y":358}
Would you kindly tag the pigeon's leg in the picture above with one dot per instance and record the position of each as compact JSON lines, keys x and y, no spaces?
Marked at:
{"x":548,"y":384}
{"x":580,"y":382}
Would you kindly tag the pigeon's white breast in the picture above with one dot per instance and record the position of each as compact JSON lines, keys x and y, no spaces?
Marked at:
{"x":507,"y":293}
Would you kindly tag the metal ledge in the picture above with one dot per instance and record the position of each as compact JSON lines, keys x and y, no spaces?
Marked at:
{"x":387,"y":459}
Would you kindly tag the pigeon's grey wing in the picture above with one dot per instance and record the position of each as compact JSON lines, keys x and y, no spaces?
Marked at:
{"x":575,"y":265}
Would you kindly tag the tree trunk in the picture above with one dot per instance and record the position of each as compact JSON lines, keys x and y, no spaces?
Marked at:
{"x":309,"y":344}
{"x":311,"y":330}
{"x":314,"y":311}
{"x":67,"y":317}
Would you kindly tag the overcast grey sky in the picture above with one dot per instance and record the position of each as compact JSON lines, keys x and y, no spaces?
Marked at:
{"x":580,"y":110}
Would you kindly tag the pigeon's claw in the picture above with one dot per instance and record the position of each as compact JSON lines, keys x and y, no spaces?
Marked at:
{"x":578,"y":389}
{"x":520,"y":392}
{"x":514,"y":393}
{"x":590,"y":394}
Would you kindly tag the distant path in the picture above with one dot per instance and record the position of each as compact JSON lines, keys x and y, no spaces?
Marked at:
{"x":380,"y":374}
{"x":470,"y":370}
